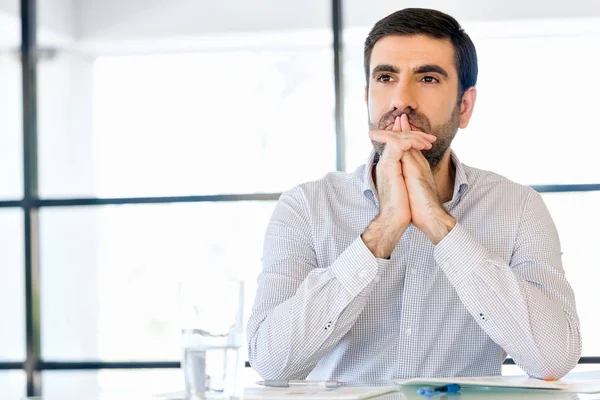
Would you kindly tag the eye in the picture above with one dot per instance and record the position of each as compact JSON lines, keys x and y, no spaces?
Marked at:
{"x":384,"y":78}
{"x":430,"y":79}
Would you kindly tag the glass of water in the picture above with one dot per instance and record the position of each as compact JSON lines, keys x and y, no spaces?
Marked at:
{"x":211,"y":336}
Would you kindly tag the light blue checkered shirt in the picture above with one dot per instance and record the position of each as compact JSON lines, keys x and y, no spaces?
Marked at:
{"x":326,"y":308}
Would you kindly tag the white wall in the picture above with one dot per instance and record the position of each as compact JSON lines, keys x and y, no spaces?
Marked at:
{"x":94,"y":20}
{"x":158,"y":18}
{"x":360,"y":12}
{"x":54,"y":15}
{"x":136,"y":19}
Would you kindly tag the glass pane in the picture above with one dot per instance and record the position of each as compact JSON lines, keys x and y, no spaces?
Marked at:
{"x":518,"y":103}
{"x":533,"y":138}
{"x":90,"y":385}
{"x":12,"y":287}
{"x":576,"y":217}
{"x":74,"y":385}
{"x":242,"y":108}
{"x":112,"y":272}
{"x":358,"y":145}
{"x":12,"y":384}
{"x":11,"y":103}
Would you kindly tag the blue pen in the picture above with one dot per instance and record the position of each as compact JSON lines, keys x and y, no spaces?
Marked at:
{"x":429,"y":391}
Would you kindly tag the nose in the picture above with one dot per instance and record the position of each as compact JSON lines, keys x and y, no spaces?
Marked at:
{"x":403,"y":97}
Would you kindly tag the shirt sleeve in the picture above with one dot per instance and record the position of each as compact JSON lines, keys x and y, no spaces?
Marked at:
{"x":301,"y":309}
{"x":526,"y":306}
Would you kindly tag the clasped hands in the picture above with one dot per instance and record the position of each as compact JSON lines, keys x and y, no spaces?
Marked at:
{"x":406,"y":190}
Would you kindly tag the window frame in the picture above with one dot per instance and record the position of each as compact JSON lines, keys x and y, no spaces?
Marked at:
{"x":31,"y":202}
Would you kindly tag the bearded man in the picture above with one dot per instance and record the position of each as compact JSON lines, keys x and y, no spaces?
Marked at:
{"x":415,"y":265}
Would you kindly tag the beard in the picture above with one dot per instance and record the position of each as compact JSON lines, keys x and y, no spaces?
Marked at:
{"x":444,"y":132}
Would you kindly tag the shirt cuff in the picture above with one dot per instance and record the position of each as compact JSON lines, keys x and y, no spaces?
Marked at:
{"x":356,"y":267}
{"x":458,"y":254}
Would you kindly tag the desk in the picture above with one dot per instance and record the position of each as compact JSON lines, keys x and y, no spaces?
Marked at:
{"x":404,"y":393}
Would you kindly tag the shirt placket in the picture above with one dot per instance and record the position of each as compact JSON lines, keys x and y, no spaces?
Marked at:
{"x":412,"y":292}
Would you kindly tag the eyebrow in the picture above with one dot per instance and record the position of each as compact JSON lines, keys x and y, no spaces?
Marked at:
{"x":421,"y":69}
{"x":384,"y":68}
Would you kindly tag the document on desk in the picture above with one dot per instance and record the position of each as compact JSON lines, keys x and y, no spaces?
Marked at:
{"x":316,"y":393}
{"x":301,"y":393}
{"x":575,"y":382}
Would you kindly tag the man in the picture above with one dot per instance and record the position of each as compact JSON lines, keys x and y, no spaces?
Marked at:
{"x":414,"y":265}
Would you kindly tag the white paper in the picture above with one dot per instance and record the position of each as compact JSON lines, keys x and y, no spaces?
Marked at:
{"x":316,"y":393}
{"x":576,"y":382}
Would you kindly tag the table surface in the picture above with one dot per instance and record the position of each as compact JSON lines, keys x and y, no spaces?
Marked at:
{"x":404,"y":393}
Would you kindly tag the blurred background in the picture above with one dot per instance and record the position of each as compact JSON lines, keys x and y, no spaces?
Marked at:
{"x":144,"y":139}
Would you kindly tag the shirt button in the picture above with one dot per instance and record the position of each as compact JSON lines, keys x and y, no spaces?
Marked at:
{"x":413,"y":271}
{"x":408,"y":331}
{"x":362,"y":273}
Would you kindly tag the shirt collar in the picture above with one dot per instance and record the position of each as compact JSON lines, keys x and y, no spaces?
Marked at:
{"x":368,"y":184}
{"x":461,"y":184}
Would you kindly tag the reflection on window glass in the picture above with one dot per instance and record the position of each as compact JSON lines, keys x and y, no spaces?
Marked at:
{"x":576,"y":218}
{"x":123,"y":264}
{"x":518,"y":126}
{"x":12,"y":303}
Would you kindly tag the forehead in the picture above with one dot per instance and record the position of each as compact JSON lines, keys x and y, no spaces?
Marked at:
{"x":412,"y":50}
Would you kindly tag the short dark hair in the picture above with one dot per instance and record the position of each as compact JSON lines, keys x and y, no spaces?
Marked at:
{"x":435,"y":24}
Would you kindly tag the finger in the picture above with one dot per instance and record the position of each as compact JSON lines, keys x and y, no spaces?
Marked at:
{"x":410,"y":164}
{"x":390,"y":136}
{"x":409,"y":155}
{"x":397,"y":149}
{"x":406,"y":144}
{"x":400,"y":134}
{"x":397,"y":125}
{"x":417,"y":160}
{"x":404,"y":123}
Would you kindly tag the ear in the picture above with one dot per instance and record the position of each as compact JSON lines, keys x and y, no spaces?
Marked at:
{"x":367,"y":95}
{"x":467,"y":104}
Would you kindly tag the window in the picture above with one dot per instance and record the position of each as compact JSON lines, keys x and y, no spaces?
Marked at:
{"x":89,"y":384}
{"x":165,"y":134}
{"x":212,"y":122}
{"x":112,"y":272}
{"x":11,"y":115}
{"x":12,"y":295}
{"x":204,"y":126}
{"x":12,"y":384}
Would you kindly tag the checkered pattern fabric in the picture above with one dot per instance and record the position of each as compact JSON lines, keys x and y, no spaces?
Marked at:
{"x":326,"y":308}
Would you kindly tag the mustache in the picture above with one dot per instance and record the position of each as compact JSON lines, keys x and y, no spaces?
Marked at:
{"x":417,"y":119}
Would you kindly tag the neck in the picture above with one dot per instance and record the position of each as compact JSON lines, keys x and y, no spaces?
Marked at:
{"x":444,"y":176}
